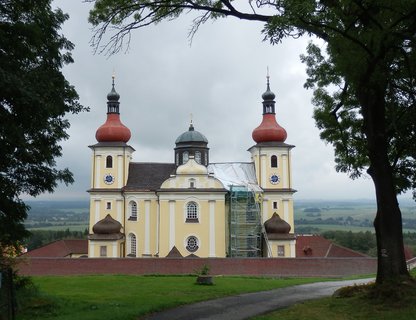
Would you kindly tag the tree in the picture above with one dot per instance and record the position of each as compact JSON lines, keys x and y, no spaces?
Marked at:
{"x":34,"y":98}
{"x":364,"y":90}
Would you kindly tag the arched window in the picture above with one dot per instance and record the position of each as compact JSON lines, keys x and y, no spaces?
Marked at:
{"x":109,"y":162}
{"x":273,"y":161}
{"x":191,"y":212}
{"x":198,"y":156}
{"x":133,"y":211}
{"x":192,"y":244}
{"x":185,"y":157}
{"x":177,"y":159}
{"x":133,"y":245}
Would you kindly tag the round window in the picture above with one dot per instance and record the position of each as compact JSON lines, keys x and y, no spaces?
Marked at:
{"x":192,"y":244}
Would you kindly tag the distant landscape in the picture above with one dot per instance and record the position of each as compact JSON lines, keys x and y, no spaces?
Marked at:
{"x":348,"y":222}
{"x":316,"y":216}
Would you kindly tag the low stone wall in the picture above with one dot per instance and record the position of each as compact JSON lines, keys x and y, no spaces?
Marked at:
{"x":289,"y":267}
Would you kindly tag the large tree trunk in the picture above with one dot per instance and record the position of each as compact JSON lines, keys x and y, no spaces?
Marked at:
{"x":388,"y":222}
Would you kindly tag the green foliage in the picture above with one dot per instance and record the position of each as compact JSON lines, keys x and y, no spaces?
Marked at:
{"x":39,"y":238}
{"x":364,"y":242}
{"x":34,"y":98}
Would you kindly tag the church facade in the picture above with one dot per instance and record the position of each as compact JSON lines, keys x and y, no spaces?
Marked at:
{"x":191,"y":207}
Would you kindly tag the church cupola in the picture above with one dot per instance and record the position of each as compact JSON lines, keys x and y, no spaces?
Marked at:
{"x":191,"y":143}
{"x":113,"y":130}
{"x":269,"y":130}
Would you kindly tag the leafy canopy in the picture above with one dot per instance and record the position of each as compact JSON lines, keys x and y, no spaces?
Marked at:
{"x":370,"y":47}
{"x":34,"y":98}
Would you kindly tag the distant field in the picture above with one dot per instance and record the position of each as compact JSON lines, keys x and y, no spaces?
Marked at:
{"x":77,"y":227}
{"x":352,"y":216}
{"x":321,"y":214}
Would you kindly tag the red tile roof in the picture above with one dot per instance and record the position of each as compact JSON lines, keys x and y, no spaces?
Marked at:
{"x":318,"y":246}
{"x":60,"y":248}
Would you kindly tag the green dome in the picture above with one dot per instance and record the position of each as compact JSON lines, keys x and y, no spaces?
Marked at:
{"x":191,"y":136}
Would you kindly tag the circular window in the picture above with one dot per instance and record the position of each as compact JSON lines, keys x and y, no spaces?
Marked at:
{"x":192,"y":244}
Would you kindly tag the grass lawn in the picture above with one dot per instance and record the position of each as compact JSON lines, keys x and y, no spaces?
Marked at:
{"x":127,"y":297}
{"x":354,"y":308}
{"x":361,"y":304}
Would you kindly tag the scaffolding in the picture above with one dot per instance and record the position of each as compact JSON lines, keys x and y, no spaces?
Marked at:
{"x":244,"y":223}
{"x":246,"y":233}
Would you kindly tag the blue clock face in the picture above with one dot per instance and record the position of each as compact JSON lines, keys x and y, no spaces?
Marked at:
{"x":274,"y":179}
{"x":108,"y":179}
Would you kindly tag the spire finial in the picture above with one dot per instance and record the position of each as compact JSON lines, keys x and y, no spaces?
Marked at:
{"x":191,"y":126}
{"x":113,"y":76}
{"x":268,"y":78}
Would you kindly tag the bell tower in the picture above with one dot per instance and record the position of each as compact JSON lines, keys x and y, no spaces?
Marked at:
{"x":272,"y":161}
{"x":111,"y":156}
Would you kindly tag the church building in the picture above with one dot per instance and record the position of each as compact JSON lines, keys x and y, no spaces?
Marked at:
{"x":191,"y":207}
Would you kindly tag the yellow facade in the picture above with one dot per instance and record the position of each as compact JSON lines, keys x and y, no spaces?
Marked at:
{"x":150,"y":209}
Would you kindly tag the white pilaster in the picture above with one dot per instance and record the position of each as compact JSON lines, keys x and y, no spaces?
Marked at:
{"x":91,"y":250}
{"x":147,"y":227}
{"x":285,"y":171}
{"x":265,"y":214}
{"x":212,"y":228}
{"x":120,"y":171}
{"x":97,"y":210}
{"x":171,"y":224}
{"x":98,"y":172}
{"x":293,"y":249}
{"x":114,"y":249}
{"x":286,"y":210}
{"x":119,"y":205}
{"x":263,"y":171}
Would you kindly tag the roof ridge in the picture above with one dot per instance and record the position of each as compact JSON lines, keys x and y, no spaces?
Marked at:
{"x":149,"y":162}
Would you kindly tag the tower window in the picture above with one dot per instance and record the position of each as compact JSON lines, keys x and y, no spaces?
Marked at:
{"x":280,"y":251}
{"x":133,"y":245}
{"x":191,"y":212}
{"x":191,"y":183}
{"x":185,"y":157}
{"x":133,"y":211}
{"x":103,"y":251}
{"x":108,"y":206}
{"x":109,"y":162}
{"x":274,"y":204}
{"x":198,"y":156}
{"x":177,"y":159}
{"x":192,"y":244}
{"x":273,"y":161}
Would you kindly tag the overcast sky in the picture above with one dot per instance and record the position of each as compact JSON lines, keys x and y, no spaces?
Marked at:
{"x":219,"y":79}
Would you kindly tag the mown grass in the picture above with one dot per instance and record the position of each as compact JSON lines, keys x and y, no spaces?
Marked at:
{"x":127,"y":297}
{"x":366,"y":302}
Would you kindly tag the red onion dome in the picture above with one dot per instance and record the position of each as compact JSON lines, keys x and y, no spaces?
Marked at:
{"x":113,"y":130}
{"x":269,"y":130}
{"x":277,"y":225}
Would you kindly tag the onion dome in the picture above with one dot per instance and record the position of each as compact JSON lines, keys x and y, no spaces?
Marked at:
{"x":113,"y":130}
{"x":191,"y":167}
{"x":191,"y":136}
{"x":269,"y":130}
{"x":113,"y":95}
{"x":107,"y":226}
{"x":277,"y":225}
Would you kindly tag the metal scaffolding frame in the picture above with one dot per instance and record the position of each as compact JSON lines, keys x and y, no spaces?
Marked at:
{"x":245,"y":227}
